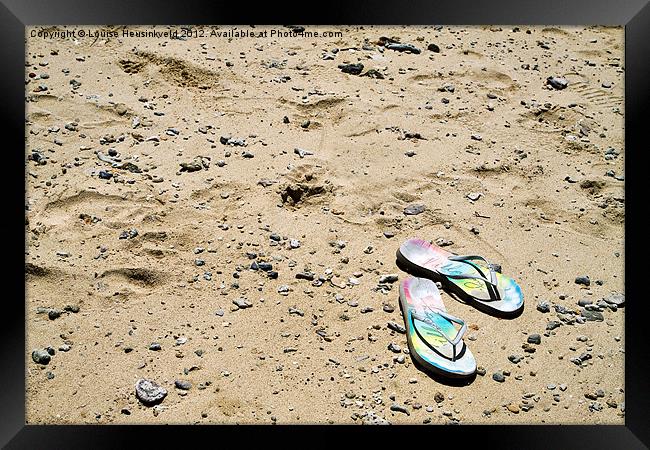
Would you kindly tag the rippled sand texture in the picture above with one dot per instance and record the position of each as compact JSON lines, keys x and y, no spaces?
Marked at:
{"x":548,"y":213}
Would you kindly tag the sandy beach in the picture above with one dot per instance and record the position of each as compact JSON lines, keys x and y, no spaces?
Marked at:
{"x":164,"y":175}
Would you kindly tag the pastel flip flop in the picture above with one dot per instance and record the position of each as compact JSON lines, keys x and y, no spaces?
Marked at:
{"x":433,"y":339}
{"x":471,"y":278}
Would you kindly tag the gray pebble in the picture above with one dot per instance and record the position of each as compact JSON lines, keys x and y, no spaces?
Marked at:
{"x":396,"y":327}
{"x":414,"y":209}
{"x":534,"y":339}
{"x":391,"y":278}
{"x":183,"y":384}
{"x":41,"y":357}
{"x":399,"y":408}
{"x":149,"y":393}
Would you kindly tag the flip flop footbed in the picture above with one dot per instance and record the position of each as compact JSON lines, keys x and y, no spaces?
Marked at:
{"x":420,"y":299}
{"x":433,"y":258}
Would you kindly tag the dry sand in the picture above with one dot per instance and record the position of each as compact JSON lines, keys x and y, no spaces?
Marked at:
{"x":329,"y":363}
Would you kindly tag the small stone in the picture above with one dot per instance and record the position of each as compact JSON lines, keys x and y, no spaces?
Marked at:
{"x":439,"y":397}
{"x":155,"y":346}
{"x":149,"y":392}
{"x":592,"y":316}
{"x":408,"y":48}
{"x":442,"y":242}
{"x":584,"y":302}
{"x":534,"y":339}
{"x":41,"y":357}
{"x":414,"y":209}
{"x":390,"y":278}
{"x":302,"y":152}
{"x":543,"y":307}
{"x":615,"y":298}
{"x":353,"y":69}
{"x":374,"y":73}
{"x":557,"y":82}
{"x":396,"y":327}
{"x":434,"y":48}
{"x":183,"y":385}
{"x":394,"y":348}
{"x":242,"y":303}
{"x":513,"y":408}
{"x":71,"y":308}
{"x":553,"y":324}
{"x":499,"y":377}
{"x":399,"y":408}
{"x":583,"y":279}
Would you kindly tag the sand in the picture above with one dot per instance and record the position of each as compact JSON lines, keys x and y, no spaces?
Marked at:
{"x":548,"y":213}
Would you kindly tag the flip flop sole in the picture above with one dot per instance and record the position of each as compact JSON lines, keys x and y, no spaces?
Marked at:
{"x":508,"y":288}
{"x":428,"y":359}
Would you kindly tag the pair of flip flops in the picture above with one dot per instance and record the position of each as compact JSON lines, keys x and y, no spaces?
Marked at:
{"x":433,"y":335}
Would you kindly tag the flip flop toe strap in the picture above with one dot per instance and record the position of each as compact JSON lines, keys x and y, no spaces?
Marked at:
{"x":491,"y":283}
{"x":452,"y":340}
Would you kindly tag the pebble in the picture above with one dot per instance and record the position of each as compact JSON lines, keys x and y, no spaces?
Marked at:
{"x":434,"y":48}
{"x":390,"y":278}
{"x":534,"y":339}
{"x":399,"y":408}
{"x":41,"y":357}
{"x":155,"y":346}
{"x":557,"y":82}
{"x":396,"y":327}
{"x":553,"y":324}
{"x":583,"y":279}
{"x":592,"y":316}
{"x":408,"y":48}
{"x":242,"y":303}
{"x":414,"y":209}
{"x":353,"y":69}
{"x":394,"y":348}
{"x":302,"y":152}
{"x":149,"y":392}
{"x":498,"y":376}
{"x":183,"y":385}
{"x":513,"y":408}
{"x":615,"y":298}
{"x":543,"y":307}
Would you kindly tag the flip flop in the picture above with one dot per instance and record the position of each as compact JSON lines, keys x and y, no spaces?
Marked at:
{"x":433,"y":339}
{"x":471,"y":278}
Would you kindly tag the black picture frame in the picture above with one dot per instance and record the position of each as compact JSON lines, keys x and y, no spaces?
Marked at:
{"x":15,"y":15}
